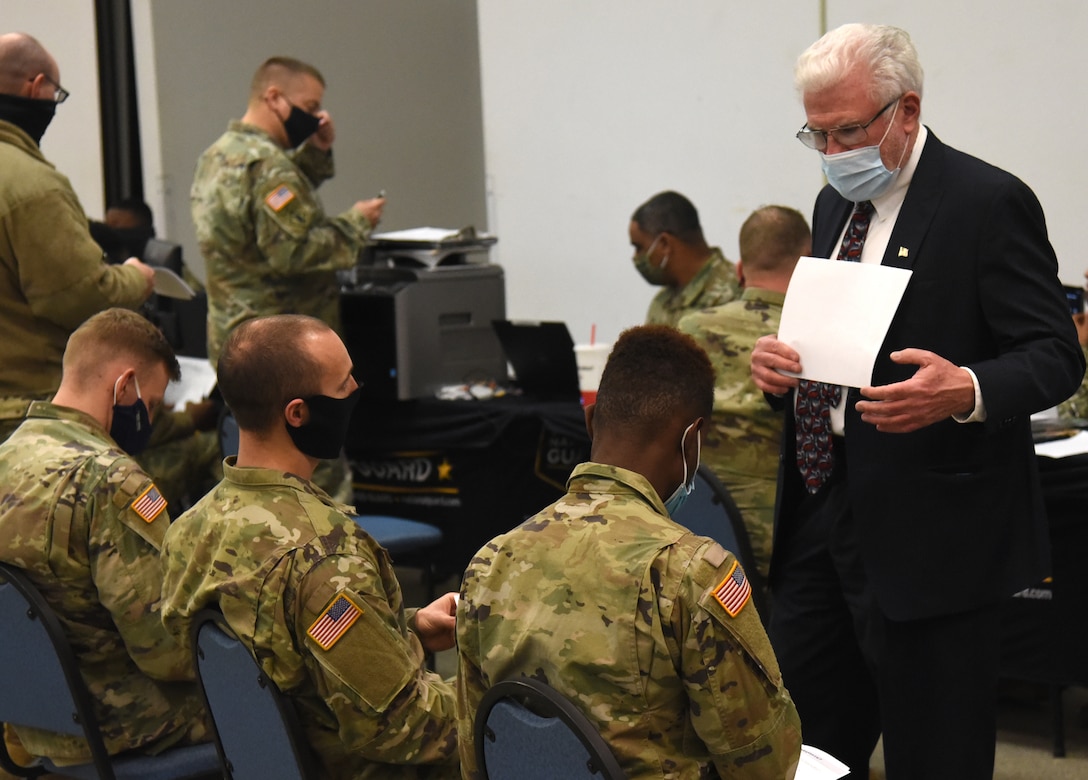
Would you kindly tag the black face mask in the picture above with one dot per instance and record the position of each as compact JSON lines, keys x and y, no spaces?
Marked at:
{"x":131,"y":426}
{"x":29,"y":115}
{"x":300,"y":125}
{"x":324,"y":435}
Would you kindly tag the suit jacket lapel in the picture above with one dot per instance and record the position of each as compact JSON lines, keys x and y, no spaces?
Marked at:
{"x":923,"y":198}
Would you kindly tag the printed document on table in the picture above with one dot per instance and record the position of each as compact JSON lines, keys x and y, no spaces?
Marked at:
{"x":817,"y":765}
{"x":836,"y":315}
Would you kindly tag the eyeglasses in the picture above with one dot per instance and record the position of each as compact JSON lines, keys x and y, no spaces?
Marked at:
{"x":851,"y":135}
{"x":60,"y":94}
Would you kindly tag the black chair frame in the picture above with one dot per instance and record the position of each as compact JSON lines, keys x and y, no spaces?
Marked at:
{"x":293,"y":732}
{"x":543,"y":700}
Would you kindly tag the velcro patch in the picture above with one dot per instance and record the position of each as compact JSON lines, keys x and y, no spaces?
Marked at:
{"x":149,"y":504}
{"x":279,"y":198}
{"x":334,"y":622}
{"x":734,"y":591}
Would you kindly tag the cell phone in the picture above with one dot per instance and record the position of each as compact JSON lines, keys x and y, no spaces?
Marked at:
{"x":1075,"y":297}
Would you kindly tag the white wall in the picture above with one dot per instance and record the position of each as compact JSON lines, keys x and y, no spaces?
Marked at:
{"x":591,"y":106}
{"x":73,"y":141}
{"x":403,"y":90}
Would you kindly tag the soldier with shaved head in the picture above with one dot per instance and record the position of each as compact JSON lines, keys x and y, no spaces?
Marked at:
{"x":52,"y":274}
{"x":311,"y":594}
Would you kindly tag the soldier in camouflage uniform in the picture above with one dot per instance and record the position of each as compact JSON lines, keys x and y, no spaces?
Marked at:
{"x":268,"y":246}
{"x":311,"y":594}
{"x":646,"y":627}
{"x":86,"y":524}
{"x":745,"y":433}
{"x":671,"y":252}
{"x":52,"y":273}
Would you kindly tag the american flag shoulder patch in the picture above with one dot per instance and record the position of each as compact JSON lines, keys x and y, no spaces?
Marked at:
{"x":280,"y":197}
{"x":149,"y":504}
{"x":334,"y":622}
{"x":734,"y":591}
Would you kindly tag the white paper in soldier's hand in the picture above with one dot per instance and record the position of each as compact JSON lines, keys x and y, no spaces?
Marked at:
{"x":836,"y":315}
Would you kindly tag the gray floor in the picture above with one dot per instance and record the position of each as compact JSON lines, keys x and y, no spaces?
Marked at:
{"x":1024,"y":739}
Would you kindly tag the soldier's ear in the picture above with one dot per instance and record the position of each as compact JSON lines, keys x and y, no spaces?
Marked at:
{"x":589,"y":412}
{"x":296,"y":413}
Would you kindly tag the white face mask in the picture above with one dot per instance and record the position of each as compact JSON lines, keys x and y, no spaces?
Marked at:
{"x":685,"y":488}
{"x":859,"y":174}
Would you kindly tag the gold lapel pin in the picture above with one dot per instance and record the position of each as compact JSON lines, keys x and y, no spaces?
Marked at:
{"x":902,"y":251}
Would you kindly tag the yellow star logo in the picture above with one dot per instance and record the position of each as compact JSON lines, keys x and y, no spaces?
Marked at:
{"x":444,"y":470}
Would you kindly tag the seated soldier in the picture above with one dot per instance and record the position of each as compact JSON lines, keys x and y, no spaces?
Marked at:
{"x":310,"y":593}
{"x":85,"y":523}
{"x":646,"y":627}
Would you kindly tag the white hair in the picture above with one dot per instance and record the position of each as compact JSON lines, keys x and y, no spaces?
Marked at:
{"x":886,"y":53}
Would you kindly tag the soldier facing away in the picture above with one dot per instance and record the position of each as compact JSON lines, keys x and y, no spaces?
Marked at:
{"x":646,"y":627}
{"x":86,"y":524}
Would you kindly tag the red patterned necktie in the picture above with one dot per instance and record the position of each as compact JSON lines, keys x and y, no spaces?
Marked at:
{"x":815,"y":399}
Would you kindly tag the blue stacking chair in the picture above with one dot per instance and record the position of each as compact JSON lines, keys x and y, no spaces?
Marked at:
{"x":257,"y":732}
{"x":526,"y":730}
{"x":41,"y":687}
{"x":710,"y":511}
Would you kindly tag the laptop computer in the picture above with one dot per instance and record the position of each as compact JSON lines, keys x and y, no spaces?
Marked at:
{"x":542,"y":356}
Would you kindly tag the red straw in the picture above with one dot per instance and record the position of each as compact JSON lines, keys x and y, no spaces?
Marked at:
{"x":592,"y":334}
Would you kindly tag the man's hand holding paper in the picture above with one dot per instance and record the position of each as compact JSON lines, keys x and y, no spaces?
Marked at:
{"x":937,"y":391}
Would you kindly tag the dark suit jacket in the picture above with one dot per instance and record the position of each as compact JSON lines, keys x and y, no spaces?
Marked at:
{"x":951,"y":516}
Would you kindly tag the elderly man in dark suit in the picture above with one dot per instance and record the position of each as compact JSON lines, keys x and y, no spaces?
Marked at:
{"x":909,"y":509}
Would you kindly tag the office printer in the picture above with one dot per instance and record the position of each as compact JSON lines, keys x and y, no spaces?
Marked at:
{"x":417,"y":310}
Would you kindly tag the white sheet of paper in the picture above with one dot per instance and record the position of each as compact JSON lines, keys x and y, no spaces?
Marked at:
{"x":170,"y":285}
{"x":421,"y":234}
{"x":815,"y":764}
{"x":197,"y":380}
{"x":1059,"y":448}
{"x":836,"y":316}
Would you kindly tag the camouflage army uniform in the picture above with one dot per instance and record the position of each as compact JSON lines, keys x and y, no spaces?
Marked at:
{"x":274,"y":553}
{"x":52,"y":275}
{"x":80,"y":517}
{"x":183,"y":461}
{"x":1076,"y":407}
{"x":606,"y":599}
{"x":715,"y":284}
{"x":742,"y":444}
{"x":267,"y":244}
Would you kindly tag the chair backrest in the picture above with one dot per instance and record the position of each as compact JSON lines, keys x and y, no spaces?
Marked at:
{"x":41,"y":686}
{"x":228,"y":433}
{"x":711,"y":511}
{"x":258,"y":734}
{"x":40,"y":683}
{"x":526,"y":730}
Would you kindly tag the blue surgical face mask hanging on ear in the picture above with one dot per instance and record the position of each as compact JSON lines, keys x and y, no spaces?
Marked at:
{"x":131,"y":426}
{"x":685,"y":488}
{"x":859,"y":174}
